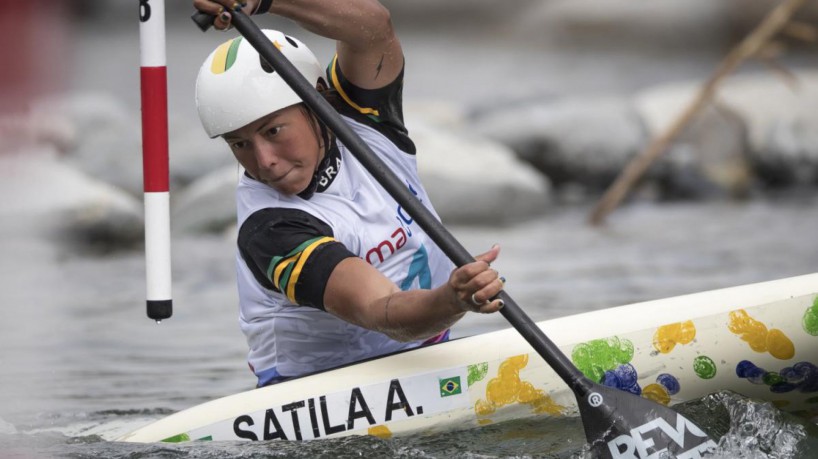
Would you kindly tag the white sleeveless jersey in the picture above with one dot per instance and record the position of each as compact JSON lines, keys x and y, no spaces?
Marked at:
{"x":288,"y":340}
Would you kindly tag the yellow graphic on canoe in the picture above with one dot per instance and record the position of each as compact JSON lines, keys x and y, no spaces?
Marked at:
{"x":668,"y":336}
{"x":380,"y":431}
{"x":507,"y":388}
{"x":760,"y":339}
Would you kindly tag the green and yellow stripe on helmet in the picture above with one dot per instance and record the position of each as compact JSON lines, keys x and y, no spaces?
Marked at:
{"x":284,"y":271}
{"x":225,"y":56}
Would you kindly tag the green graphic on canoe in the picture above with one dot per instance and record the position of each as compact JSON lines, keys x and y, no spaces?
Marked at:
{"x":811,"y":319}
{"x":183,"y":437}
{"x":704,"y":367}
{"x":450,"y":386}
{"x":595,"y":357}
{"x":477,"y":372}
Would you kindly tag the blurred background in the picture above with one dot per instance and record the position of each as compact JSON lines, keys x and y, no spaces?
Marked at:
{"x":524,"y":114}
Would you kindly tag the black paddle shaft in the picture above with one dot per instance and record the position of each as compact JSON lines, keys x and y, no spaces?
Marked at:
{"x":376,"y":167}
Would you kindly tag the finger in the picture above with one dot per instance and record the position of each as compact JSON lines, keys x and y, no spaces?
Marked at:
{"x":213,"y":8}
{"x":481,"y":281}
{"x":222,"y":21}
{"x":464,"y":274}
{"x":489,"y":256}
{"x":491,"y":307}
{"x":487,"y":291}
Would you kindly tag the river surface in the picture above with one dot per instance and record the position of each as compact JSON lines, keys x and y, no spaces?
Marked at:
{"x":81,"y":364}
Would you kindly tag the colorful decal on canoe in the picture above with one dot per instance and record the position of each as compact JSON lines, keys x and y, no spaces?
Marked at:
{"x":668,"y":336}
{"x":183,"y":437}
{"x":810,"y":321}
{"x":623,"y":377}
{"x":759,"y":338}
{"x":596,"y":357}
{"x":657,"y":393}
{"x":450,"y":386}
{"x":507,"y":388}
{"x":669,"y":382}
{"x":803,"y":376}
{"x":660,"y":391}
{"x":704,"y":367}
{"x":380,"y":431}
{"x":477,"y":372}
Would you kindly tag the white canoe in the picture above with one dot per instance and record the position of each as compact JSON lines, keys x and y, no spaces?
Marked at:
{"x":759,"y":340}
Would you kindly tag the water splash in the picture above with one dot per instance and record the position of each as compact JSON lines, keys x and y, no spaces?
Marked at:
{"x":750,"y":429}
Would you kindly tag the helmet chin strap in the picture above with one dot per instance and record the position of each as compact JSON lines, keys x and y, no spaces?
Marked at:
{"x":324,"y":138}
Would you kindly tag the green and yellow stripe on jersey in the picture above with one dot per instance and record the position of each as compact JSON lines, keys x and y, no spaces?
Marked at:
{"x":225,"y":56}
{"x":284,"y":271}
{"x":336,"y":83}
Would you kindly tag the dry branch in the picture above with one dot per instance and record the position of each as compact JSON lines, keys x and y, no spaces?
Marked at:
{"x":776,"y":21}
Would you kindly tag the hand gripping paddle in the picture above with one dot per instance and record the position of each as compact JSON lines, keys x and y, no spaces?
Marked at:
{"x":618,"y":424}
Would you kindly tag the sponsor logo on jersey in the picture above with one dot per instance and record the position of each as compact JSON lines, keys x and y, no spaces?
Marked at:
{"x":396,"y":240}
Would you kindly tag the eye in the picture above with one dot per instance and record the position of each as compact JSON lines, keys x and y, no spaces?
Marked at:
{"x":237,"y":144}
{"x":273,"y":130}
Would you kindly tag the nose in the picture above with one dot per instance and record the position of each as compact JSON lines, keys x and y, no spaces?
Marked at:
{"x":265,"y":156}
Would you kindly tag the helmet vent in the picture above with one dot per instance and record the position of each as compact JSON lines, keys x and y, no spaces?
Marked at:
{"x":291,"y":41}
{"x":265,"y":65}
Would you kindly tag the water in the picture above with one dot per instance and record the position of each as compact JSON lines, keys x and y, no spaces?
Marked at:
{"x":81,"y":364}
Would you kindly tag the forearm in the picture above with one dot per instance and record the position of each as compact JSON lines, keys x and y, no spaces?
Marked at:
{"x":356,"y":23}
{"x":416,"y":314}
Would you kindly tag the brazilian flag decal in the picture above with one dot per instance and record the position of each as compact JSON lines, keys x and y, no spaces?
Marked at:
{"x":450,"y":386}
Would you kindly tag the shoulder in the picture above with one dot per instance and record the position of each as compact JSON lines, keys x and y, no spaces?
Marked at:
{"x":290,"y":251}
{"x":380,"y":109}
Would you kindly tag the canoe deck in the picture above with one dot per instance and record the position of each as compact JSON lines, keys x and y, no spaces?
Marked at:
{"x":759,"y":340}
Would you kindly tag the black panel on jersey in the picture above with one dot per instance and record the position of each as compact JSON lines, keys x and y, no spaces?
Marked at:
{"x":294,"y":247}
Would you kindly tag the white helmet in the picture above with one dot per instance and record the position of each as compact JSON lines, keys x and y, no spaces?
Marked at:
{"x":236,"y":86}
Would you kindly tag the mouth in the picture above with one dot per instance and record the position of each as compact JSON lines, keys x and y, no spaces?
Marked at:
{"x":271,"y":180}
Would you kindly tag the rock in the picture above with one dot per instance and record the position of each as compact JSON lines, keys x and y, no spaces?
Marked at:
{"x":789,"y":155}
{"x":781,"y":119}
{"x":625,"y":24}
{"x":778,"y":119}
{"x":474,"y":180}
{"x":582,"y":141}
{"x":192,"y":155}
{"x":208,"y":205}
{"x":107,"y":142}
{"x":58,"y":202}
{"x":709,"y":158}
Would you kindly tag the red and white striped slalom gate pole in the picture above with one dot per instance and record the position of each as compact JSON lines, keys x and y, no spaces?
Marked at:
{"x":153,"y":78}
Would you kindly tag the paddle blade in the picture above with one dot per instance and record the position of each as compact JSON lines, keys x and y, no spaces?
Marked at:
{"x":621,"y":425}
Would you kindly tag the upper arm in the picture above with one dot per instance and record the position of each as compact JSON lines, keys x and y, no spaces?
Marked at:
{"x":291,"y":252}
{"x":370,"y":52}
{"x":372,"y":57}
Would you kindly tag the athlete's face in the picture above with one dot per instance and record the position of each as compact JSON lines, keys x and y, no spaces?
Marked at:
{"x":280,"y":150}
